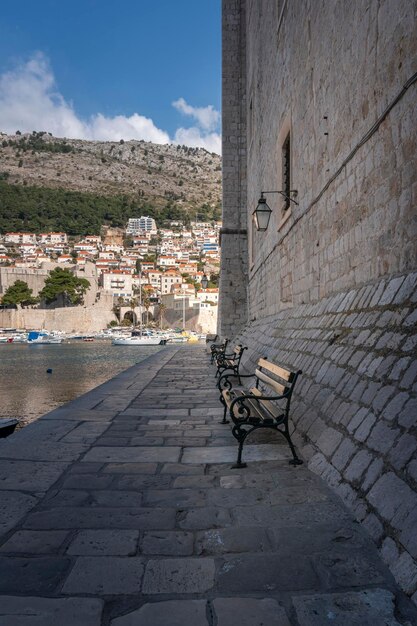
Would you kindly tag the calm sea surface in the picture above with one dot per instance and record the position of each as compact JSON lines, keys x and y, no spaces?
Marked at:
{"x":28,"y":391}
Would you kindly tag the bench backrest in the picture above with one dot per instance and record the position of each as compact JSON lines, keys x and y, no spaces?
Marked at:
{"x":238,"y":352}
{"x":220,"y":347}
{"x":277,"y":378}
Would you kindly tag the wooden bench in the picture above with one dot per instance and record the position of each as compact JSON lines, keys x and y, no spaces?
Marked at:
{"x":217,"y":349}
{"x":230,"y":362}
{"x":264,"y":405}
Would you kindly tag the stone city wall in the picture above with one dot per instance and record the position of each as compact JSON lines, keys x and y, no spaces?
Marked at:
{"x":35,"y":278}
{"x":325,"y":77}
{"x":70,"y":320}
{"x":332,"y":282}
{"x":355,"y":404}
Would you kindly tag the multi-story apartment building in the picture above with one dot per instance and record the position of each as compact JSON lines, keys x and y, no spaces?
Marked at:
{"x":94,"y":239}
{"x":166,"y":260}
{"x":154,"y":278}
{"x":53,"y":238}
{"x":209,"y":294}
{"x":83,"y":246}
{"x":144,"y":223}
{"x":119,"y":282}
{"x":27,"y":248}
{"x":20,"y":238}
{"x":168,"y":280}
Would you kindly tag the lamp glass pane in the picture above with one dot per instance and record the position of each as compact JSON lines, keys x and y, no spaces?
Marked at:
{"x":261,"y":216}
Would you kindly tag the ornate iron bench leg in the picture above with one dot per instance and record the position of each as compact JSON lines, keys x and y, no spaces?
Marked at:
{"x":295,"y":460}
{"x":240,"y":435}
{"x":224,"y":420}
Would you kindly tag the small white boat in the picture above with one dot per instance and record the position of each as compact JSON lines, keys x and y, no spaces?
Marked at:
{"x":139,"y":340}
{"x":41,"y":338}
{"x":13,"y":339}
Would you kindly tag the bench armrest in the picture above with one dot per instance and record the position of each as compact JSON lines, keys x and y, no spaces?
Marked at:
{"x":224,"y":382}
{"x":250,"y":396}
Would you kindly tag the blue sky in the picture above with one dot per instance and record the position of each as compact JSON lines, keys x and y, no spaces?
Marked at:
{"x":99,"y":66}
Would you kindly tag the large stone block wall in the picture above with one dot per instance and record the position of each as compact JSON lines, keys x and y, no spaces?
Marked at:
{"x":80,"y":319}
{"x":234,"y":258}
{"x":354,"y":411}
{"x":35,"y":278}
{"x":332,"y":282}
{"x":326,"y":75}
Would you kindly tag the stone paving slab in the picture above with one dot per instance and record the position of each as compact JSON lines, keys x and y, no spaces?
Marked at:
{"x":365,"y":608}
{"x":30,"y":475}
{"x":13,"y":507}
{"x":134,"y":454}
{"x":228,"y":454}
{"x":184,"y":575}
{"x":34,"y":611}
{"x":249,"y":612}
{"x":35,"y":451}
{"x":180,"y":612}
{"x":105,"y":575}
{"x":122,"y":509}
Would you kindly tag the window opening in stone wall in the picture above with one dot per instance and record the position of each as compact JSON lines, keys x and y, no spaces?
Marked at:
{"x":286,"y":170}
{"x":251,"y":123}
{"x":252,"y":242}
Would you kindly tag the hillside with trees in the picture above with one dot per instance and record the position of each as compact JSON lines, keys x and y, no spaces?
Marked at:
{"x":76,"y":186}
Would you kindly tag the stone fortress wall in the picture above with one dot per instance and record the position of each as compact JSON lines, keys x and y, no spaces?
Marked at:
{"x":332,"y":283}
{"x":234,"y":258}
{"x":94,"y":315}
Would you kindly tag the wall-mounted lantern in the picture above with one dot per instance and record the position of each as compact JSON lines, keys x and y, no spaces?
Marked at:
{"x":204,"y":282}
{"x":262,"y":213}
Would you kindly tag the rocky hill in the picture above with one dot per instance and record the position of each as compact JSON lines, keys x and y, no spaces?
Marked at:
{"x":155,"y":174}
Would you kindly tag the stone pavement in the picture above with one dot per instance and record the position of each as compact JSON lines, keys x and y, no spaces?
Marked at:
{"x":121,"y":509}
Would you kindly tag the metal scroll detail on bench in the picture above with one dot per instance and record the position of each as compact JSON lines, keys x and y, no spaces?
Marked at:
{"x":217,"y":349}
{"x":255,"y":407}
{"x":230,"y":362}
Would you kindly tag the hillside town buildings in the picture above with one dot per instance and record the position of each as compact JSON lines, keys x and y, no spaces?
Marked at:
{"x":169,"y":263}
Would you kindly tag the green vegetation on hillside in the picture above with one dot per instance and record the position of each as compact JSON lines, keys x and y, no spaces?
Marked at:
{"x":62,"y":283}
{"x":35,"y":143}
{"x":39,"y":209}
{"x":19,"y":293}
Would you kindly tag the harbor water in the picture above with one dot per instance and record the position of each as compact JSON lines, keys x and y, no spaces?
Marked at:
{"x":28,"y":389}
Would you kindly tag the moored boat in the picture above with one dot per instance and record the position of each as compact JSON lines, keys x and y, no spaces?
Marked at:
{"x":42,"y":337}
{"x":139,"y":340}
{"x":7,"y":426}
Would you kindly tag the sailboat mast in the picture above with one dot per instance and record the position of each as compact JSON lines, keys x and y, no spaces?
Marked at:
{"x":140,"y":301}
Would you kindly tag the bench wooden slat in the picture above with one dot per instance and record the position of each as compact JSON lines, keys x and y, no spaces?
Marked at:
{"x":275,"y":369}
{"x":271,"y":408}
{"x":279,"y":387}
{"x":256,"y":407}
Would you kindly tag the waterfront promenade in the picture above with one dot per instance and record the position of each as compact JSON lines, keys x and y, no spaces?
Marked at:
{"x":121,"y":509}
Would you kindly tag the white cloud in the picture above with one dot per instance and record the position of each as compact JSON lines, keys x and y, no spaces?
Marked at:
{"x":30,"y":100}
{"x":193,"y":137}
{"x":207,"y":117}
{"x":136,"y":126}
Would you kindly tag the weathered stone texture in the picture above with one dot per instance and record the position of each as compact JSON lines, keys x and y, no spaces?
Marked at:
{"x":233,"y":282}
{"x":365,"y":441}
{"x":332,"y":283}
